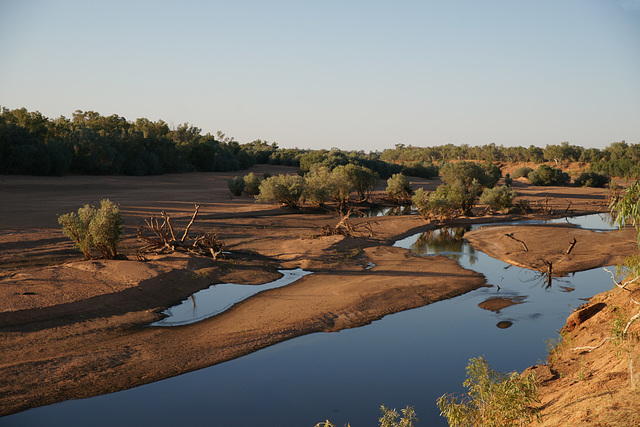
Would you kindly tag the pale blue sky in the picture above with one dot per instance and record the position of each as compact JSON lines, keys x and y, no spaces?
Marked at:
{"x":348,"y":74}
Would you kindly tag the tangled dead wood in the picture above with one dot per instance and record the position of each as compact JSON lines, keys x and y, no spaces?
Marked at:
{"x":164,"y":239}
{"x":345,"y":227}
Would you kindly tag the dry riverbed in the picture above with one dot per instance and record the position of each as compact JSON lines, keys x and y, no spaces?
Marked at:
{"x":71,"y":328}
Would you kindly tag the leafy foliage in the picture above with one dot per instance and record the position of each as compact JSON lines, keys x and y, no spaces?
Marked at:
{"x":446,"y":202}
{"x":252,"y":184}
{"x":470,"y":174}
{"x":592,"y":179}
{"x":494,"y":398}
{"x":498,"y":198}
{"x":546,"y":175}
{"x":521,"y":171}
{"x":627,"y":208}
{"x":420,"y":169}
{"x":362,"y":179}
{"x":284,"y":189}
{"x":390,"y":418}
{"x":399,"y":188}
{"x":236,"y":185}
{"x":318,"y":185}
{"x":91,"y":227}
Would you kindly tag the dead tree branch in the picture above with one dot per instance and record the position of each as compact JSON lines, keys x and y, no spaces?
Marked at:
{"x":161,"y":238}
{"x":573,"y":243}
{"x":524,"y":245}
{"x":589,"y":348}
{"x":345,"y":227}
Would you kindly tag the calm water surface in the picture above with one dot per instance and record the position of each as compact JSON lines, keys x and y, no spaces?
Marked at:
{"x":409,"y":358}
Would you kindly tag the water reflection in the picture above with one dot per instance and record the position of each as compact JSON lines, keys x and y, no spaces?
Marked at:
{"x":218,"y":298}
{"x":444,"y":241}
{"x":390,"y":211}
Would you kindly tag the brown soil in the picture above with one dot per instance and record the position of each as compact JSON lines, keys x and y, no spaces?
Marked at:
{"x":71,"y":328}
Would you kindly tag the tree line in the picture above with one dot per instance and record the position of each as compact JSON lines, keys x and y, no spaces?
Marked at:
{"x":89,"y":143}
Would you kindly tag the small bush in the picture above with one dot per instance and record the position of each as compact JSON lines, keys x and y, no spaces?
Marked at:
{"x":498,"y":198}
{"x":546,"y":175}
{"x":399,"y":188}
{"x":508,"y":180}
{"x":522,"y":171}
{"x":284,"y":189}
{"x":592,"y":179}
{"x":494,"y":398}
{"x":91,"y":227}
{"x":251,"y":184}
{"x":236,"y":185}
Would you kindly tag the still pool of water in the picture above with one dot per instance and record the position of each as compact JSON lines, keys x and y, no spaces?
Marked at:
{"x":218,"y":298}
{"x":408,"y":358}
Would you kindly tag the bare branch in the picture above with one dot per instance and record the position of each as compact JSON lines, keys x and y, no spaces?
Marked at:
{"x":630,"y":322}
{"x":524,"y":245}
{"x":193,"y":218}
{"x":163,"y":239}
{"x":589,"y":348}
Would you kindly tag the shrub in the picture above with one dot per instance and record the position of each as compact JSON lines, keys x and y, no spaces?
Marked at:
{"x":508,"y":180}
{"x":252,"y":184}
{"x":391,"y":417}
{"x":284,"y":189}
{"x":592,"y":179}
{"x":106,"y":228}
{"x":399,"y":188}
{"x":236,"y":185}
{"x":498,"y":198}
{"x":522,"y":171}
{"x":341,"y":186}
{"x":494,"y":398}
{"x":91,"y":227}
{"x":546,"y":175}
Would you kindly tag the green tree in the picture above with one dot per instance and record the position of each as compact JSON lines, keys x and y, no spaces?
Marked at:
{"x":362,"y":179}
{"x":318,"y":185}
{"x":399,"y":188}
{"x":284,"y":189}
{"x":469,"y":174}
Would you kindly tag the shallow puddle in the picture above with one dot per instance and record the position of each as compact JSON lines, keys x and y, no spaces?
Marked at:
{"x":218,"y":298}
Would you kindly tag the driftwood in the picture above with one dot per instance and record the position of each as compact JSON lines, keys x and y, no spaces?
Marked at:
{"x":524,"y":245}
{"x":345,"y":227}
{"x":163,"y":237}
{"x":573,"y":243}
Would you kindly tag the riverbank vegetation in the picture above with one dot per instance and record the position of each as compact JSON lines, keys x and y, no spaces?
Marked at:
{"x":89,"y":143}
